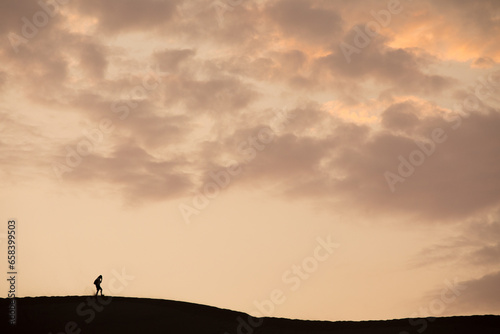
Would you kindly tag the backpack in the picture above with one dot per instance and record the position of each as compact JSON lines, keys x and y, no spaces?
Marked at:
{"x":97,"y":281}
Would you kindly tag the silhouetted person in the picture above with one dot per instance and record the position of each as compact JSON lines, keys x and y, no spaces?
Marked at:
{"x":97,"y":283}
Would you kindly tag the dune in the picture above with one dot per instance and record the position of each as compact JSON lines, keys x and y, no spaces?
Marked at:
{"x":85,"y":314}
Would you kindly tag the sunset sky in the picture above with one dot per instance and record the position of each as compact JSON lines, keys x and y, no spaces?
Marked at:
{"x":323,"y":159}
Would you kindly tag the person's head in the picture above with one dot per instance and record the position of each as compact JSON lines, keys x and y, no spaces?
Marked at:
{"x":100,"y":276}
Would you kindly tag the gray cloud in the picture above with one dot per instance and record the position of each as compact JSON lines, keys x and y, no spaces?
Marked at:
{"x":224,"y":94}
{"x":12,"y":13}
{"x":348,"y":167}
{"x":305,"y":21}
{"x":137,"y":174}
{"x":483,"y":62}
{"x":475,"y":296}
{"x":476,"y":243}
{"x":171,"y":59}
{"x":402,"y":70}
{"x":401,"y":116}
{"x":117,"y":16}
{"x":93,"y":59}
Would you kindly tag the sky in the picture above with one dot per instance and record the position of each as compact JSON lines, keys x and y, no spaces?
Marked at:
{"x":333,"y":160}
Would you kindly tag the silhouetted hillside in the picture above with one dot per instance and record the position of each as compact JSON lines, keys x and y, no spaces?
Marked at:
{"x":139,"y":315}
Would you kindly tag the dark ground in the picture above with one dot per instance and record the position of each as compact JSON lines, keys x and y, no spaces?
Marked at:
{"x":84,"y":314}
